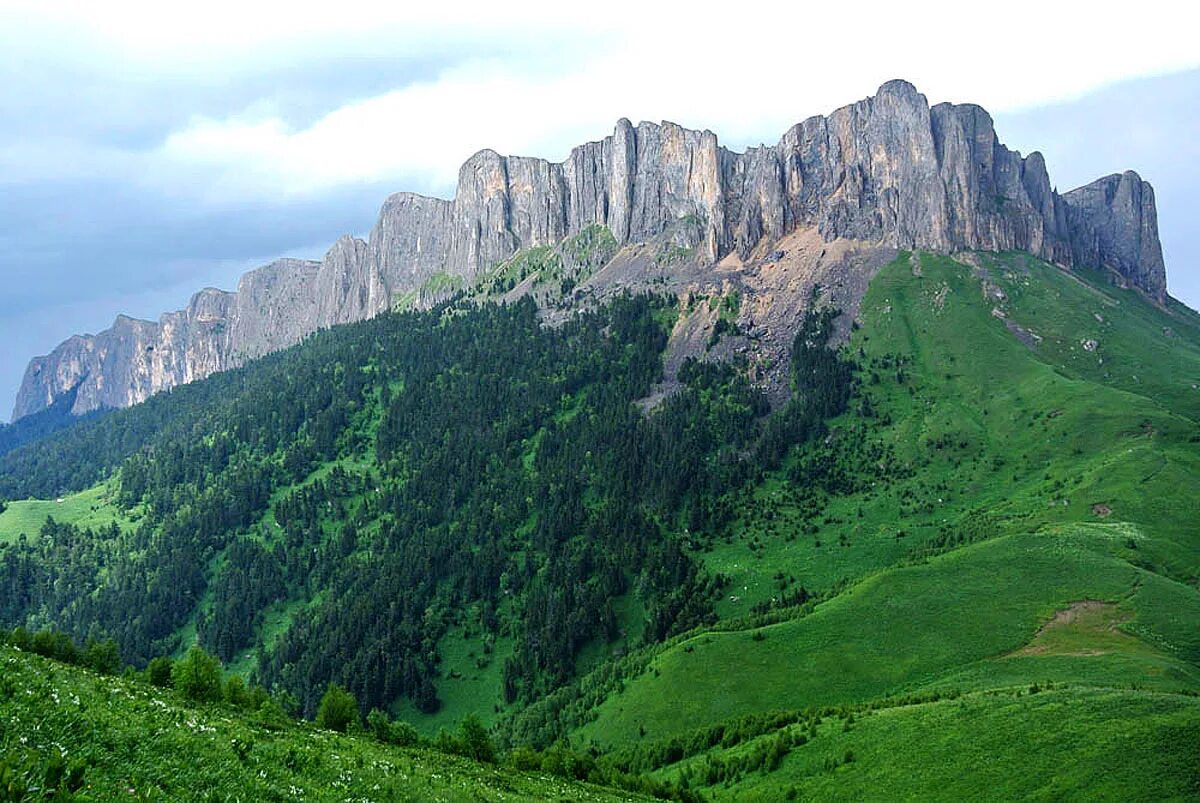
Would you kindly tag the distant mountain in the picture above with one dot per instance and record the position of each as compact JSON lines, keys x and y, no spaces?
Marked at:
{"x":885,"y":173}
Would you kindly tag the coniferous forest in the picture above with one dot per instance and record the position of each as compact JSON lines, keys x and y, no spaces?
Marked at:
{"x":452,"y":467}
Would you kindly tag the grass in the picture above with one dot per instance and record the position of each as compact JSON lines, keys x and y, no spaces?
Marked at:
{"x":543,"y":263}
{"x":1049,"y":483}
{"x":405,"y":301}
{"x":1139,"y":348}
{"x":137,"y":742}
{"x":592,"y":246}
{"x":441,"y":282}
{"x":1008,"y":442}
{"x":892,"y":633}
{"x":1058,"y":744}
{"x":1084,"y":628}
{"x":469,"y":681}
{"x":94,"y":507}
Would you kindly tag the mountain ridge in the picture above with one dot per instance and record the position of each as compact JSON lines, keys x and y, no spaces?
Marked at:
{"x":888,"y":169}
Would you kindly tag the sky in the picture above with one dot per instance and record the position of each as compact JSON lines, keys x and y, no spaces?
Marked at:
{"x":148,"y":151}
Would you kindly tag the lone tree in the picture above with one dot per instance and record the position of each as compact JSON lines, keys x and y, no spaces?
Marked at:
{"x":476,"y":743}
{"x":337,"y":710}
{"x":197,"y":676}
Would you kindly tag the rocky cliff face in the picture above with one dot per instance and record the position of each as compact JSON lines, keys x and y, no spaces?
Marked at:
{"x":887,"y":170}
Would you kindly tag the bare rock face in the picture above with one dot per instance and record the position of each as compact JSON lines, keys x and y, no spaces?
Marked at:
{"x":1114,"y":227}
{"x":888,"y":171}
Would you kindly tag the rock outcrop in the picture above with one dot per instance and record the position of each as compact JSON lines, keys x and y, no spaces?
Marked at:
{"x":888,"y":170}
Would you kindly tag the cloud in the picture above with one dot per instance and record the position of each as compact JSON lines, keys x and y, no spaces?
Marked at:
{"x":748,"y":78}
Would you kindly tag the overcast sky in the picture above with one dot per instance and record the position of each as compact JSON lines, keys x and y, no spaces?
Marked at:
{"x":148,"y":151}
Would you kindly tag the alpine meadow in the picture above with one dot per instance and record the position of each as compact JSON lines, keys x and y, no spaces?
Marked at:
{"x":861,"y":466}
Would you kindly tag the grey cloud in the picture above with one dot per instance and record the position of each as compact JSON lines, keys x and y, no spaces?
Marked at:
{"x":82,"y":238}
{"x":65,"y":242}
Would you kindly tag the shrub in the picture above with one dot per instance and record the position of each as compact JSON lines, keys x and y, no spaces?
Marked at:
{"x":50,"y":644}
{"x":288,"y":703}
{"x":526,"y":759}
{"x":476,"y":743}
{"x":103,"y":656}
{"x":158,"y":671}
{"x":403,"y":734}
{"x":338,"y":709}
{"x":271,"y":715}
{"x":236,"y":693}
{"x":197,"y":676}
{"x":379,"y":725}
{"x":388,"y":731}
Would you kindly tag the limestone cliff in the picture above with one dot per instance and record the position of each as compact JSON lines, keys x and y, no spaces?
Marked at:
{"x":888,"y":170}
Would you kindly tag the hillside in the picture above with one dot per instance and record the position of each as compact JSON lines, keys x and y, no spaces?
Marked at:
{"x":1017,"y":743}
{"x":969,"y":533}
{"x":68,"y":729}
{"x":977,"y":498}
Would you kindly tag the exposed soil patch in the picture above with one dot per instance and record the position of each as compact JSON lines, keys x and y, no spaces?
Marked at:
{"x":1102,"y":510}
{"x":1084,"y":628}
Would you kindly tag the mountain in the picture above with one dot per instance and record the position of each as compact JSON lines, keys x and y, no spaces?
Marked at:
{"x":825,"y":517}
{"x":886,"y":173}
{"x":965,"y":542}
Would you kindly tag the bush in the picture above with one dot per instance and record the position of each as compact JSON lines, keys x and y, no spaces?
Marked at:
{"x":338,"y":709}
{"x":59,"y":646}
{"x":288,"y":703}
{"x":385,"y":730}
{"x":20,"y":639}
{"x":197,"y":676}
{"x":379,"y":725}
{"x":271,"y":715}
{"x":236,"y":693}
{"x":158,"y":671}
{"x":403,"y":734}
{"x":103,"y":656}
{"x":476,"y":743}
{"x":526,"y":759}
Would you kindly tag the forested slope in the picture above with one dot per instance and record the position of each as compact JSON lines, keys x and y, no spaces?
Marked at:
{"x":340,"y":507}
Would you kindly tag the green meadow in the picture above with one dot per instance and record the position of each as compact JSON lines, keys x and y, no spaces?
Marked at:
{"x":1004,"y":511}
{"x":132,"y":741}
{"x":94,"y":507}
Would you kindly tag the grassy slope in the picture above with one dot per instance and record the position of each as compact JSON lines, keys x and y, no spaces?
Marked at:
{"x":142,"y":743}
{"x":1022,"y":433}
{"x":1123,"y":746}
{"x":1036,"y":443}
{"x":93,"y":507}
{"x":894,"y":632}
